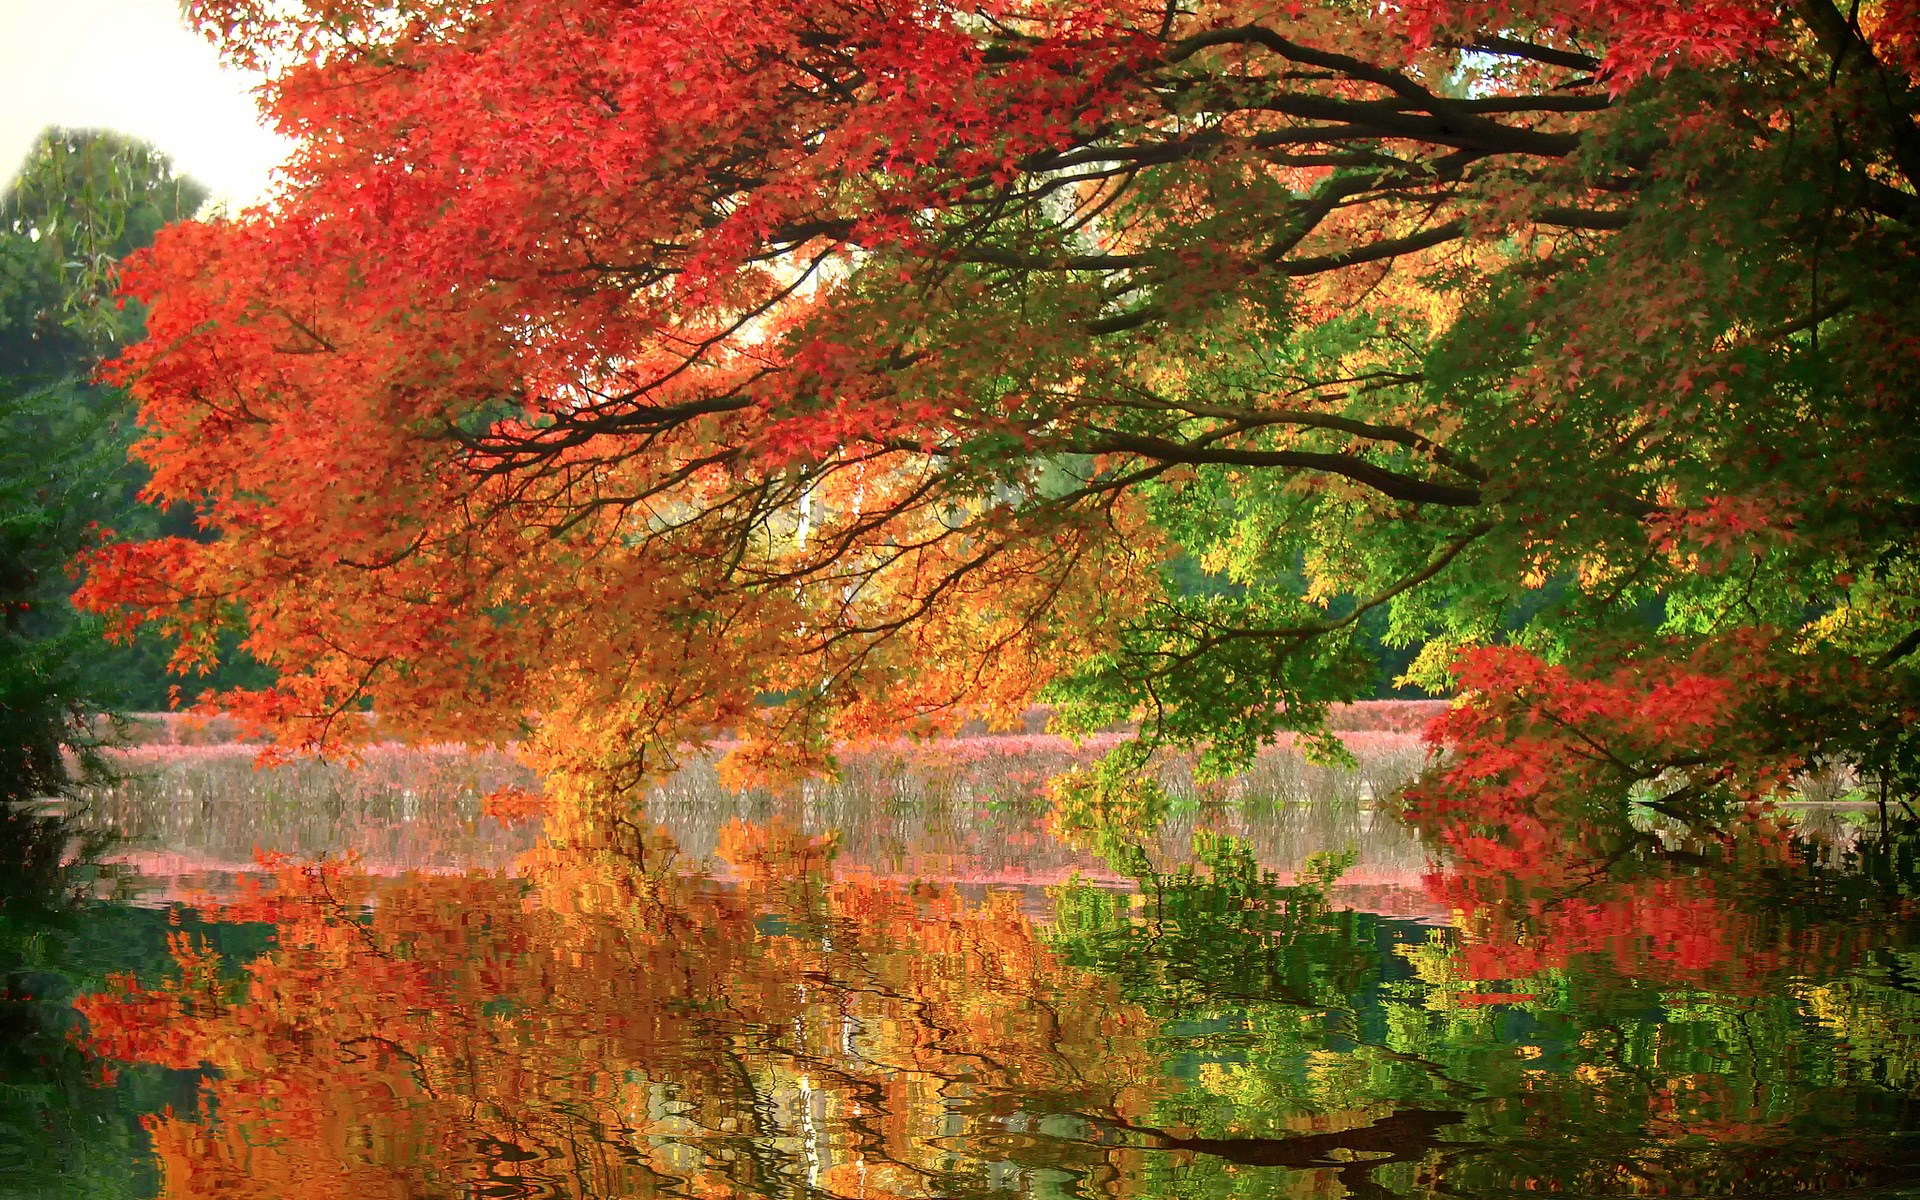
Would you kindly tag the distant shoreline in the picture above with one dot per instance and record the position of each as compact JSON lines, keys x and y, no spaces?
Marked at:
{"x":197,"y":729}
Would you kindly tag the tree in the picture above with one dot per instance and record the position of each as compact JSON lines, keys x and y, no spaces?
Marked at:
{"x":80,"y":200}
{"x":47,"y":701}
{"x":83,"y":200}
{"x":623,"y":373}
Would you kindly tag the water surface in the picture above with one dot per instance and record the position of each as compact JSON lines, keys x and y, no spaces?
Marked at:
{"x":921,"y":982}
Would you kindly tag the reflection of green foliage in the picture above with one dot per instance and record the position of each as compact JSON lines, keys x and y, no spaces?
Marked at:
{"x":1874,"y":1016}
{"x":1889,"y":852}
{"x":1282,"y":1012}
{"x":1109,"y":809}
{"x":66,"y":1134}
{"x":1218,"y":934}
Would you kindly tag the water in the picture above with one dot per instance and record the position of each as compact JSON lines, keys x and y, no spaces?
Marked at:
{"x":922,"y":983}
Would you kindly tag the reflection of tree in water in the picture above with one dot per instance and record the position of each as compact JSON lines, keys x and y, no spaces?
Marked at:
{"x":608,"y":1024}
{"x":1691,"y":1007}
{"x":612,"y":1032}
{"x":65,"y":1128}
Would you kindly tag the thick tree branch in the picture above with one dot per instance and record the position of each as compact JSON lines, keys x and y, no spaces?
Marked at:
{"x":1899,"y":650}
{"x":1506,"y":47}
{"x":1409,"y":488}
{"x":1889,"y":94}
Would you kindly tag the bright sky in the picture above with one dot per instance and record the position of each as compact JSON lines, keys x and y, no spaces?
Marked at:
{"x":131,"y":66}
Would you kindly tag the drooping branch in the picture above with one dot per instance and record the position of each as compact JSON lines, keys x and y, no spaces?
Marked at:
{"x":1411,"y":489}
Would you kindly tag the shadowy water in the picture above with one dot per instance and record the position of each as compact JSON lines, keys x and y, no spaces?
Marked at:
{"x":918,"y":982}
{"x":70,"y":1124}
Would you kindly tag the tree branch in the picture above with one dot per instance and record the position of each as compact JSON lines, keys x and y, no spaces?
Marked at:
{"x":1409,"y":488}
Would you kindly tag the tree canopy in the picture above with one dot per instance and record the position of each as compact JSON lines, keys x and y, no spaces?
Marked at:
{"x":624,"y":372}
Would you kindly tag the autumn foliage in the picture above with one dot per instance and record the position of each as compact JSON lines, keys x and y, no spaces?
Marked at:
{"x":1627,"y":812}
{"x":609,"y":375}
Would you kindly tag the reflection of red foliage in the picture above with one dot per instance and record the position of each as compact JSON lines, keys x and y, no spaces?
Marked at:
{"x":1545,"y":861}
{"x":1677,"y":927}
{"x":131,"y":1024}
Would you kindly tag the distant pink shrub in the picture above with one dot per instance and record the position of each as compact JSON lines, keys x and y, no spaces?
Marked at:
{"x":1394,"y":716}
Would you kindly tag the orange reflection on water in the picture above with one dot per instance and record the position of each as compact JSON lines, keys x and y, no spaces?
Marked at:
{"x":598,"y":1028}
{"x":617,"y":1014}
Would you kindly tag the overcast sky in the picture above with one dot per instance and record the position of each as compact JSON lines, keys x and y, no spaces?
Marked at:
{"x":131,"y":66}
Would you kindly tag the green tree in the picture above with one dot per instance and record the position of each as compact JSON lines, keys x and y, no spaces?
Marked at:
{"x":82,"y":201}
{"x":51,"y":471}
